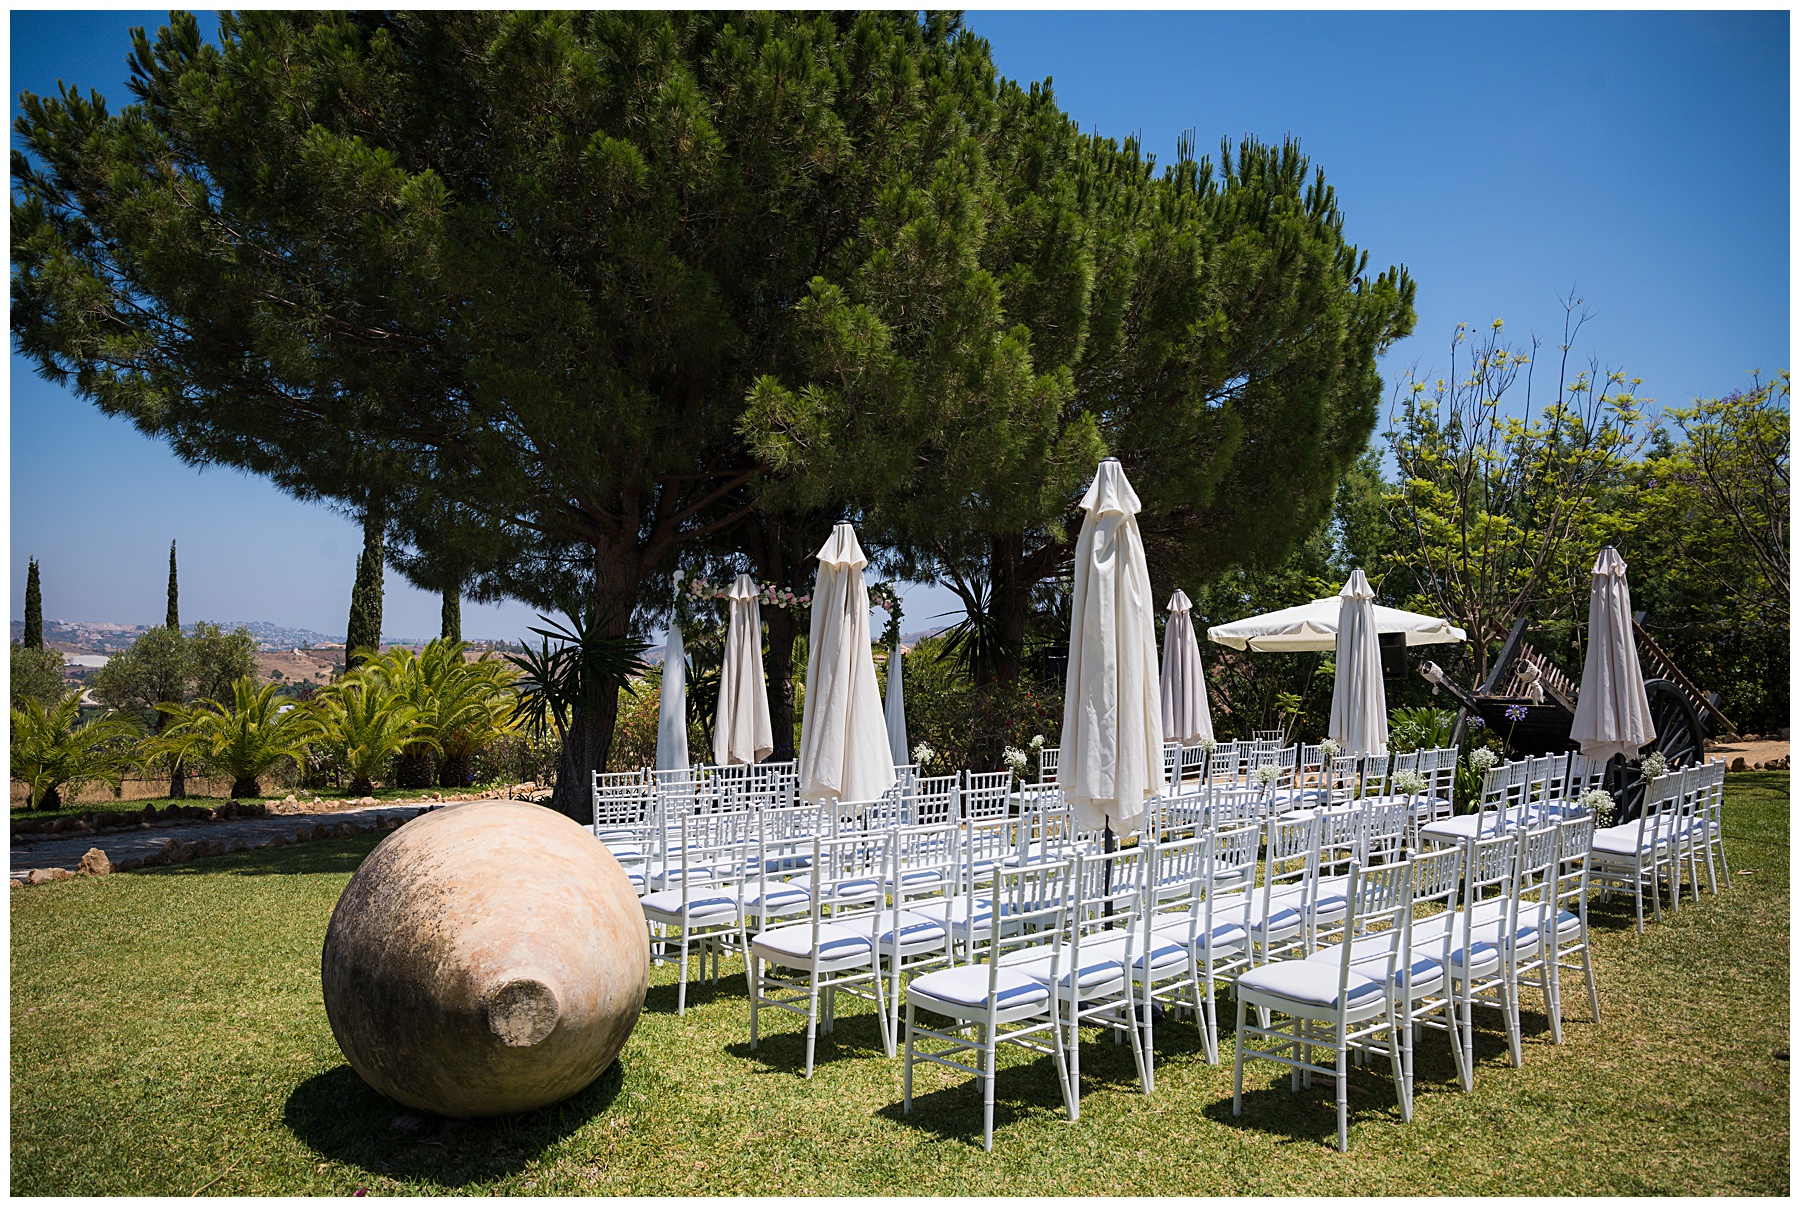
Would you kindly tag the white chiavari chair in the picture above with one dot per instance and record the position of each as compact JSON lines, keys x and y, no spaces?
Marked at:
{"x":992,"y":1002}
{"x":834,"y":949}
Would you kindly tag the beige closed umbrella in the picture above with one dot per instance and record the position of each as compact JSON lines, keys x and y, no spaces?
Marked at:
{"x":1186,"y":714}
{"x":1112,"y":708}
{"x":1358,"y":696}
{"x":742,"y":733}
{"x":1612,"y":713}
{"x":844,"y":750}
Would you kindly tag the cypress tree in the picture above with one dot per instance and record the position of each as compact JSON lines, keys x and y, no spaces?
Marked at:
{"x":363,"y":637}
{"x":451,"y":628}
{"x":173,"y":620}
{"x":33,"y":638}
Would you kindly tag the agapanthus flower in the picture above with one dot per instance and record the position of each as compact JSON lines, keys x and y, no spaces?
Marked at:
{"x":1477,"y":723}
{"x":1516,"y":712}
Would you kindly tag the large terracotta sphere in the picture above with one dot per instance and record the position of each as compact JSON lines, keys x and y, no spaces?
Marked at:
{"x":486,"y":958}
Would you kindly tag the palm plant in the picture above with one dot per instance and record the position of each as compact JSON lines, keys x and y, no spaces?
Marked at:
{"x":461,"y":706}
{"x":369,"y":723}
{"x":51,"y":752}
{"x":586,"y":664}
{"x":246,"y":739}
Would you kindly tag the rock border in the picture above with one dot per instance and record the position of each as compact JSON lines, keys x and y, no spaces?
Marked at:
{"x":175,"y":850}
{"x":95,"y":821}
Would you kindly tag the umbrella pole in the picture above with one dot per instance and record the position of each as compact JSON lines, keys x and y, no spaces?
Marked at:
{"x":1108,"y":845}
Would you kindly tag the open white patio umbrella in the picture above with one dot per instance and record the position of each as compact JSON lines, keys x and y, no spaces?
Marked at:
{"x":742,"y":733}
{"x":1186,"y":715}
{"x":843,"y":735}
{"x":671,"y":720}
{"x":1358,"y":697}
{"x":1314,"y":626}
{"x":896,"y":708}
{"x":1612,"y":713}
{"x":1112,"y":731}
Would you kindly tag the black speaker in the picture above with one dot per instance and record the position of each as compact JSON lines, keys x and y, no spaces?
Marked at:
{"x":1393,"y":655}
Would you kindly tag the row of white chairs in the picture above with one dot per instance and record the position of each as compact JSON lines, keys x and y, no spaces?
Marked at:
{"x":1681,"y":821}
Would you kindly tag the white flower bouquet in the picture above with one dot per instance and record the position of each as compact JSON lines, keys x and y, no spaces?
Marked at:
{"x":923,"y":754}
{"x":1330,"y":749}
{"x":1483,"y":759}
{"x":1408,"y":783}
{"x":1655,"y":765}
{"x":1267,"y":774}
{"x":1599,"y":803}
{"x":1015,"y":758}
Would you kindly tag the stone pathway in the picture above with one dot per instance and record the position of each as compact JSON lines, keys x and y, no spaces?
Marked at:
{"x":132,"y":847}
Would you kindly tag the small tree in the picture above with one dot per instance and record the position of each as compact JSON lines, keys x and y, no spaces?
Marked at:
{"x":219,"y":659}
{"x":51,"y":752}
{"x":36,"y":675}
{"x":33,"y":637}
{"x":1496,"y":510}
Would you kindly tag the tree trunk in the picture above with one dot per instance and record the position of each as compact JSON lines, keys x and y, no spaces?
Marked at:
{"x":358,"y":787}
{"x":52,"y":799}
{"x":453,"y":772}
{"x":591,"y":729}
{"x":1009,"y":598}
{"x":784,"y":627}
{"x":414,"y":769}
{"x":244,"y":787}
{"x":177,"y":781}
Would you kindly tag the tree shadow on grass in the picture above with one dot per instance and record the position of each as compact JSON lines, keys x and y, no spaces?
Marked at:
{"x":338,"y":1116}
{"x":953,"y":1113}
{"x":783,"y":1050}
{"x":662,"y":999}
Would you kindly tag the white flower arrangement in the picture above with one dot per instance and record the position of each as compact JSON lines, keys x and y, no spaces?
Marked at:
{"x":1655,"y":765}
{"x":1408,"y":783}
{"x":923,"y":754}
{"x":1482,"y":759}
{"x":1267,"y":774}
{"x":1015,"y":758}
{"x":1207,"y":744}
{"x":1330,"y":749}
{"x":1599,"y":803}
{"x":1037,"y":741}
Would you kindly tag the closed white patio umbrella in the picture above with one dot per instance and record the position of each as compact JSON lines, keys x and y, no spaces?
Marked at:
{"x":896,"y":708}
{"x":742,"y":733}
{"x":1186,"y":715}
{"x":671,"y":719}
{"x":1314,"y":626}
{"x":844,"y":748}
{"x":1358,"y":697}
{"x":1612,"y":713}
{"x":1112,"y":732}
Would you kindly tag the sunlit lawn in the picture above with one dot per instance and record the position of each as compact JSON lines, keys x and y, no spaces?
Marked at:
{"x":168,"y":1037}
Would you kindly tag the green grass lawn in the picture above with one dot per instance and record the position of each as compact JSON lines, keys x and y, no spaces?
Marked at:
{"x":168,"y":1038}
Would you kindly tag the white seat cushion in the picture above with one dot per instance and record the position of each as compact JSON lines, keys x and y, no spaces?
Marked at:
{"x":791,"y":946}
{"x":1102,"y":964}
{"x":705,"y":906}
{"x":1369,"y":957}
{"x":1224,"y":937}
{"x":779,"y":898}
{"x":1306,"y":983}
{"x":967,"y":987}
{"x":917,"y":933}
{"x":1623,"y":840}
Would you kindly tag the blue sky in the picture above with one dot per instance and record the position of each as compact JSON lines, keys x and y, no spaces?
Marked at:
{"x":1640,"y":159}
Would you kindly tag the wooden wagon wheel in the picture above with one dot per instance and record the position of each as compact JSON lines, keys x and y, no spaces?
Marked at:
{"x":1679,"y":735}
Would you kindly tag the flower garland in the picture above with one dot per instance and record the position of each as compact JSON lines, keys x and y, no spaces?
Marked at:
{"x":881,"y":595}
